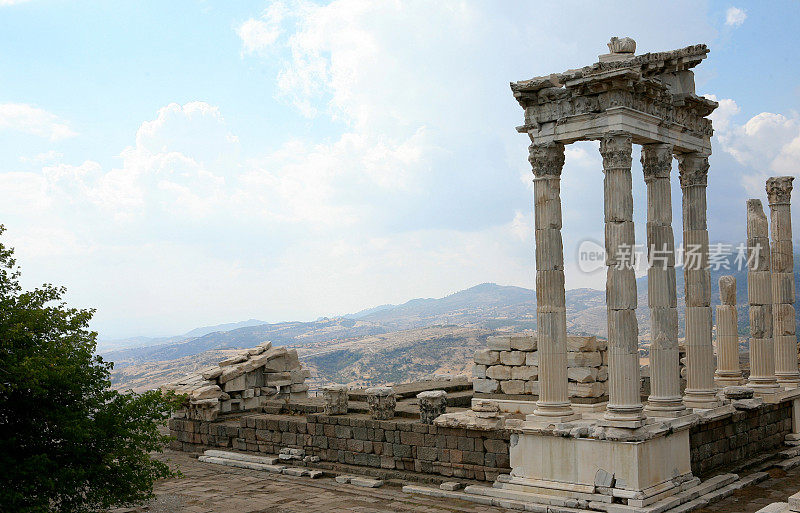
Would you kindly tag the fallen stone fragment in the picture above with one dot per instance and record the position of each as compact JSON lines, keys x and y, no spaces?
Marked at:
{"x":451,"y":486}
{"x":366,"y":482}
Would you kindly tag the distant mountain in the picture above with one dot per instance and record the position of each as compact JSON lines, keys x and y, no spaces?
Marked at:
{"x":482,"y":310}
{"x":199,"y":332}
{"x":107,"y":346}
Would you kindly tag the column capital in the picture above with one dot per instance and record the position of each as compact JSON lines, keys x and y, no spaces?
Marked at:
{"x":693,"y":169}
{"x":656,"y":161}
{"x":616,"y":149}
{"x":546,"y":159}
{"x":779,"y":190}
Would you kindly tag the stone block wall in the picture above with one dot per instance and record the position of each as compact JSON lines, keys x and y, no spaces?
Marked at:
{"x":736,"y":437}
{"x":396,"y":444}
{"x":510,"y":366}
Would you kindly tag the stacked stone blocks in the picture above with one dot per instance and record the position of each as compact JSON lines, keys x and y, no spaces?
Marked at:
{"x":510,"y":366}
{"x":391,"y":445}
{"x":759,"y":295}
{"x":244,"y":382}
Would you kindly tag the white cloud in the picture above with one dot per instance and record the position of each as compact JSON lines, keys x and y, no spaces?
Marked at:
{"x":48,"y":157}
{"x":259,"y":35}
{"x":411,"y":169}
{"x":21,"y":117}
{"x":768,"y":144}
{"x":734,"y":17}
{"x":721,"y":117}
{"x":12,"y":2}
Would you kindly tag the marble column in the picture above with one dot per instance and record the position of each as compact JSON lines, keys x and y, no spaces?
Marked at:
{"x":547,"y":161}
{"x":624,"y":407}
{"x":700,"y":392}
{"x":665,"y":392}
{"x":759,"y":295}
{"x":779,"y":193}
{"x":728,"y":371}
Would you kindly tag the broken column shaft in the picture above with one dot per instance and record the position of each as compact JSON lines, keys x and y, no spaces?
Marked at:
{"x":759,"y":295}
{"x":728,"y":372}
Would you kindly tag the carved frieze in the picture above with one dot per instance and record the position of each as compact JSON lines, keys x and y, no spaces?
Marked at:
{"x":544,"y":110}
{"x":658,"y":84}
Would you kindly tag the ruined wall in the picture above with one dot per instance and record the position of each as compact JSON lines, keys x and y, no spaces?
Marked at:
{"x":397,"y":444}
{"x":735,"y":437}
{"x":243,"y":382}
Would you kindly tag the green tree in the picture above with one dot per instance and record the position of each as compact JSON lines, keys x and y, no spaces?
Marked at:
{"x":67,"y":441}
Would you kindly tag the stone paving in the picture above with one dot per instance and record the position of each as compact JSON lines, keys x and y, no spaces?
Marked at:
{"x":777,"y":488}
{"x":207,"y":488}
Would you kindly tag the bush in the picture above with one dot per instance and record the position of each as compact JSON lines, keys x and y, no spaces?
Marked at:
{"x":67,"y":441}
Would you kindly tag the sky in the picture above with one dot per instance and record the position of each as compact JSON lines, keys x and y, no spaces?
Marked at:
{"x":188,"y":163}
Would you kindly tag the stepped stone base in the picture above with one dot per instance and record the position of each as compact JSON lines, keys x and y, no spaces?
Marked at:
{"x":689,"y":496}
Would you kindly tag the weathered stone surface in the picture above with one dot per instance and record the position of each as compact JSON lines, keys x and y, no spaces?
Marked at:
{"x":499,"y":343}
{"x":727,"y":290}
{"x":584,"y":359}
{"x":487,"y":357}
{"x":523,"y":342}
{"x":432,"y":403}
{"x":512,"y":357}
{"x":498,"y":372}
{"x":485,"y":386}
{"x":577,"y":343}
{"x":735,"y":392}
{"x":525,"y":372}
{"x":381,"y":402}
{"x":582,"y":374}
{"x":512,"y":386}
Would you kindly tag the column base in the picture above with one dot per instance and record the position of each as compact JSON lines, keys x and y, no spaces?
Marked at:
{"x":764,"y":386}
{"x":789,"y":380}
{"x":547,"y":413}
{"x":663,"y":407}
{"x":701,"y":399}
{"x":553,"y":410}
{"x":623,"y":417}
{"x":730,"y":380}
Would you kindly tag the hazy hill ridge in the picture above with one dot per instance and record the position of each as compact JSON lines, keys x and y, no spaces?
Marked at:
{"x":343,"y":348}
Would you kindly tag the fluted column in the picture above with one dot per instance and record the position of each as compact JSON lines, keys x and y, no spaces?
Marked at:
{"x":728,"y":371}
{"x":624,"y":404}
{"x":665,"y":392}
{"x":700,"y":392}
{"x":779,"y":193}
{"x":759,"y":295}
{"x":547,"y":161}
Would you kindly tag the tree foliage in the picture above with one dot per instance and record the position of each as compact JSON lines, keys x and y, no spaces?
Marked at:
{"x":67,"y":441}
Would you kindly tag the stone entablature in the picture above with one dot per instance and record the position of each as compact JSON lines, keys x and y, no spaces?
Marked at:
{"x":660,"y":86}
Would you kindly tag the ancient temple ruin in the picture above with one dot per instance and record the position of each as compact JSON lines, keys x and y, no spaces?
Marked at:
{"x":558,"y":422}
